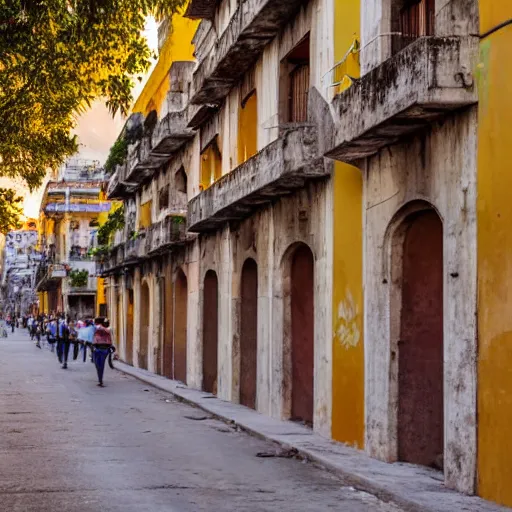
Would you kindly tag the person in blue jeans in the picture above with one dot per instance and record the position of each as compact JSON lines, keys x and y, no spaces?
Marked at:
{"x":51,"y":332}
{"x":102,"y":346}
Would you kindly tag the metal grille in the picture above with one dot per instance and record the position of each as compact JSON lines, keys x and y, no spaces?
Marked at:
{"x":299,"y":87}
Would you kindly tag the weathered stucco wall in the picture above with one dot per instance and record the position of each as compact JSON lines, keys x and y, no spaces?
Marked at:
{"x":266,"y":237}
{"x":438,"y":168}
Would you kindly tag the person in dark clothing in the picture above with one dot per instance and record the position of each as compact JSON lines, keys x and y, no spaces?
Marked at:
{"x":63,"y":341}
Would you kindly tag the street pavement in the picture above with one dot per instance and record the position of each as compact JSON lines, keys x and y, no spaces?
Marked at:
{"x":68,"y":445}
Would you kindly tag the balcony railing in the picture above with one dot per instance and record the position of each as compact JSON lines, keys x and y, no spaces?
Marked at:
{"x":278,"y":169}
{"x":428,"y":79}
{"x":168,"y":232}
{"x":89,"y":288}
{"x":135,"y":248}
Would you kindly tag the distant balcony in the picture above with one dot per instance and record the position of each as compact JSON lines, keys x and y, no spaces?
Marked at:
{"x":162,"y":137}
{"x":110,"y":263}
{"x":166,"y":233}
{"x":425,"y":81}
{"x":89,"y":289}
{"x":277,"y":170}
{"x":135,"y":249}
{"x":140,"y":164}
{"x":170,"y":134}
{"x":254,"y":24}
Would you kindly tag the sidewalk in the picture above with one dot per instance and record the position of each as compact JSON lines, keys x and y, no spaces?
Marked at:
{"x":411,"y":487}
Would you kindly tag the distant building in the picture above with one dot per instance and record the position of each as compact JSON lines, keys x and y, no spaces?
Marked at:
{"x":20,"y":260}
{"x":71,"y":210}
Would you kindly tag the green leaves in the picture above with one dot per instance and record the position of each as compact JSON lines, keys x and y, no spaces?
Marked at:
{"x":114,"y":222}
{"x":10,"y":210}
{"x":78,"y":278}
{"x":56,"y":58}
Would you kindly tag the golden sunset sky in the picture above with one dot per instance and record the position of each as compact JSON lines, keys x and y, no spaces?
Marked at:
{"x":96,"y":131}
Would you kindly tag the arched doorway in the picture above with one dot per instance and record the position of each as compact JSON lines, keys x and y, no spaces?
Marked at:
{"x":249,"y":333}
{"x":180,"y":327}
{"x":144,"y":326}
{"x":302,"y":333}
{"x":210,"y":331}
{"x":129,"y":329}
{"x":420,"y":346}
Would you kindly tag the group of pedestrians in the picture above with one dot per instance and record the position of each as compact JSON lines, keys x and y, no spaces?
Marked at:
{"x":61,"y":333}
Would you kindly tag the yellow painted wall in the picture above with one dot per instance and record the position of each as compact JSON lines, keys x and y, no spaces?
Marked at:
{"x":211,"y":166}
{"x":178,"y":47}
{"x":494,"y":256}
{"x":43,"y":302}
{"x":248,"y":128}
{"x":100,"y":295}
{"x":348,"y":349}
{"x":145,"y":215}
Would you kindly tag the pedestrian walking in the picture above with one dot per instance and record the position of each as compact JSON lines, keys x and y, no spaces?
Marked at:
{"x":29,"y":324}
{"x":51,"y":333}
{"x":38,"y":329}
{"x":102,"y":347}
{"x":62,"y":341}
{"x":3,"y":329}
{"x":85,"y":337}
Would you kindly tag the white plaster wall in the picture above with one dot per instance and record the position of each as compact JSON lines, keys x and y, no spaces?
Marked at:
{"x":438,"y":167}
{"x":267,"y":87}
{"x":274,"y":230}
{"x":194,"y":319}
{"x":136,"y":315}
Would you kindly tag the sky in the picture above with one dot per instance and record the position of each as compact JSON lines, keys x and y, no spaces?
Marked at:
{"x":96,"y":130}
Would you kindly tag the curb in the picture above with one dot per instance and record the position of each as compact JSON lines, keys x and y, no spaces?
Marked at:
{"x":405,"y":500}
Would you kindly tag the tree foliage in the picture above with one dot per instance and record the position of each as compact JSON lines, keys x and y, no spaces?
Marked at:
{"x":56,"y":58}
{"x":10,"y":210}
{"x":114,"y":222}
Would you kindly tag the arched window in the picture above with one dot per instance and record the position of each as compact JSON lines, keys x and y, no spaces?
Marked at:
{"x":180,"y":180}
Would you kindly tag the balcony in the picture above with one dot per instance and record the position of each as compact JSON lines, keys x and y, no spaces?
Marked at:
{"x":166,"y":233}
{"x":277,"y":170}
{"x":135,"y":249}
{"x":89,"y":289}
{"x":162,"y":137}
{"x":422,"y":83}
{"x":170,"y":134}
{"x":254,"y":24}
{"x":140,"y":164}
{"x":109,"y":263}
{"x":201,"y":8}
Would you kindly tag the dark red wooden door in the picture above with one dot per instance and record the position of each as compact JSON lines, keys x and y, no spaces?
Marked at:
{"x":248,"y":334}
{"x":210,"y":331}
{"x":302,"y":320}
{"x":180,"y":327}
{"x":420,"y":381}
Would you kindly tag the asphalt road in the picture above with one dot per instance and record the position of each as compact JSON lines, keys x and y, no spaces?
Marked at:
{"x":67,"y":445}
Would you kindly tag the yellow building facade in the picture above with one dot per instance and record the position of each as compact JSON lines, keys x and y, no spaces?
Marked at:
{"x":494,"y":253}
{"x":347,"y":295}
{"x":72,"y":209}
